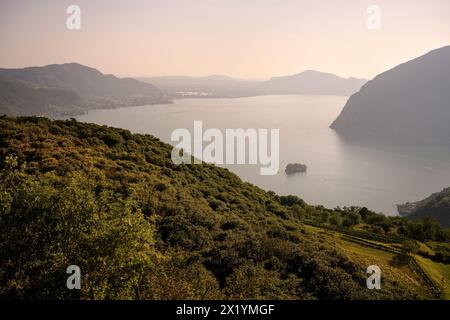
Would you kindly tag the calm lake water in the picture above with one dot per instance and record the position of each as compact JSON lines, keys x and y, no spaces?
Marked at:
{"x":339,"y":173}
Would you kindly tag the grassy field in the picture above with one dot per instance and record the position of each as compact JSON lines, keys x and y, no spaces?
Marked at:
{"x":438,"y":272}
{"x":393,"y":270}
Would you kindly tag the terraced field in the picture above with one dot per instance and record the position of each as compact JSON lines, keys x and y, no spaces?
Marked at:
{"x":395,"y":272}
{"x":438,"y":272}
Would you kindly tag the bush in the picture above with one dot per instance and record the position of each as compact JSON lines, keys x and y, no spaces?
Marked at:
{"x":48,"y":223}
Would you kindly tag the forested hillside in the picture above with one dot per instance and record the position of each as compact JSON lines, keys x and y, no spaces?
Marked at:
{"x":437,"y":206}
{"x":69,"y":89}
{"x":18,"y":98}
{"x":141,"y":227}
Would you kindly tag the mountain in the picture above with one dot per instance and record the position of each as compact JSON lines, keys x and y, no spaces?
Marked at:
{"x":311,"y":82}
{"x":408,"y":104}
{"x":96,"y":90}
{"x":437,"y":206}
{"x":18,"y":98}
{"x":140,"y":227}
{"x":218,"y":86}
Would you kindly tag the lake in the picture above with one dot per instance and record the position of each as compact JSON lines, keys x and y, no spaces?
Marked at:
{"x":339,"y":173}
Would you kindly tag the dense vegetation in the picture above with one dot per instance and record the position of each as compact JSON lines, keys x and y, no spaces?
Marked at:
{"x":17,"y":98}
{"x":141,"y":227}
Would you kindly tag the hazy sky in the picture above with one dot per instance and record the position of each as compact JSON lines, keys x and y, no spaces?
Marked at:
{"x":240,"y":38}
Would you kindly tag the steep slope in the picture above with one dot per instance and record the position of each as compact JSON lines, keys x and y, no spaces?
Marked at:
{"x":437,"y":206}
{"x":407,"y":104}
{"x":85,"y":194}
{"x":17,"y":98}
{"x":97,"y":90}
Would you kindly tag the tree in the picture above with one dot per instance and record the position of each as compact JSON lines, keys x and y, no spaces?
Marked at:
{"x":48,"y":223}
{"x":351,"y":219}
{"x":335,"y":219}
{"x":410,"y":247}
{"x":430,"y":228}
{"x":415,"y":231}
{"x":324,"y":216}
{"x":364,"y":212}
{"x":291,"y":200}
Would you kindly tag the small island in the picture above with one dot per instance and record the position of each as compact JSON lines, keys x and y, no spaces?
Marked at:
{"x":292,"y":168}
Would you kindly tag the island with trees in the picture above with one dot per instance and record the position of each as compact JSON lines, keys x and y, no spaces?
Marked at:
{"x":292,"y":168}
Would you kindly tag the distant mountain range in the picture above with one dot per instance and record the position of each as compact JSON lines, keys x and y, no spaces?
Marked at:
{"x":311,"y":82}
{"x":307,"y":82}
{"x":409,"y":104}
{"x":69,"y":89}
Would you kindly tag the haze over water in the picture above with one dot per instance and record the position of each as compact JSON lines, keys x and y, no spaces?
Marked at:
{"x":339,"y":173}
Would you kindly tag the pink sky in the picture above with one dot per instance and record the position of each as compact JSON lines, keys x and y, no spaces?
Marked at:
{"x":244,"y":39}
